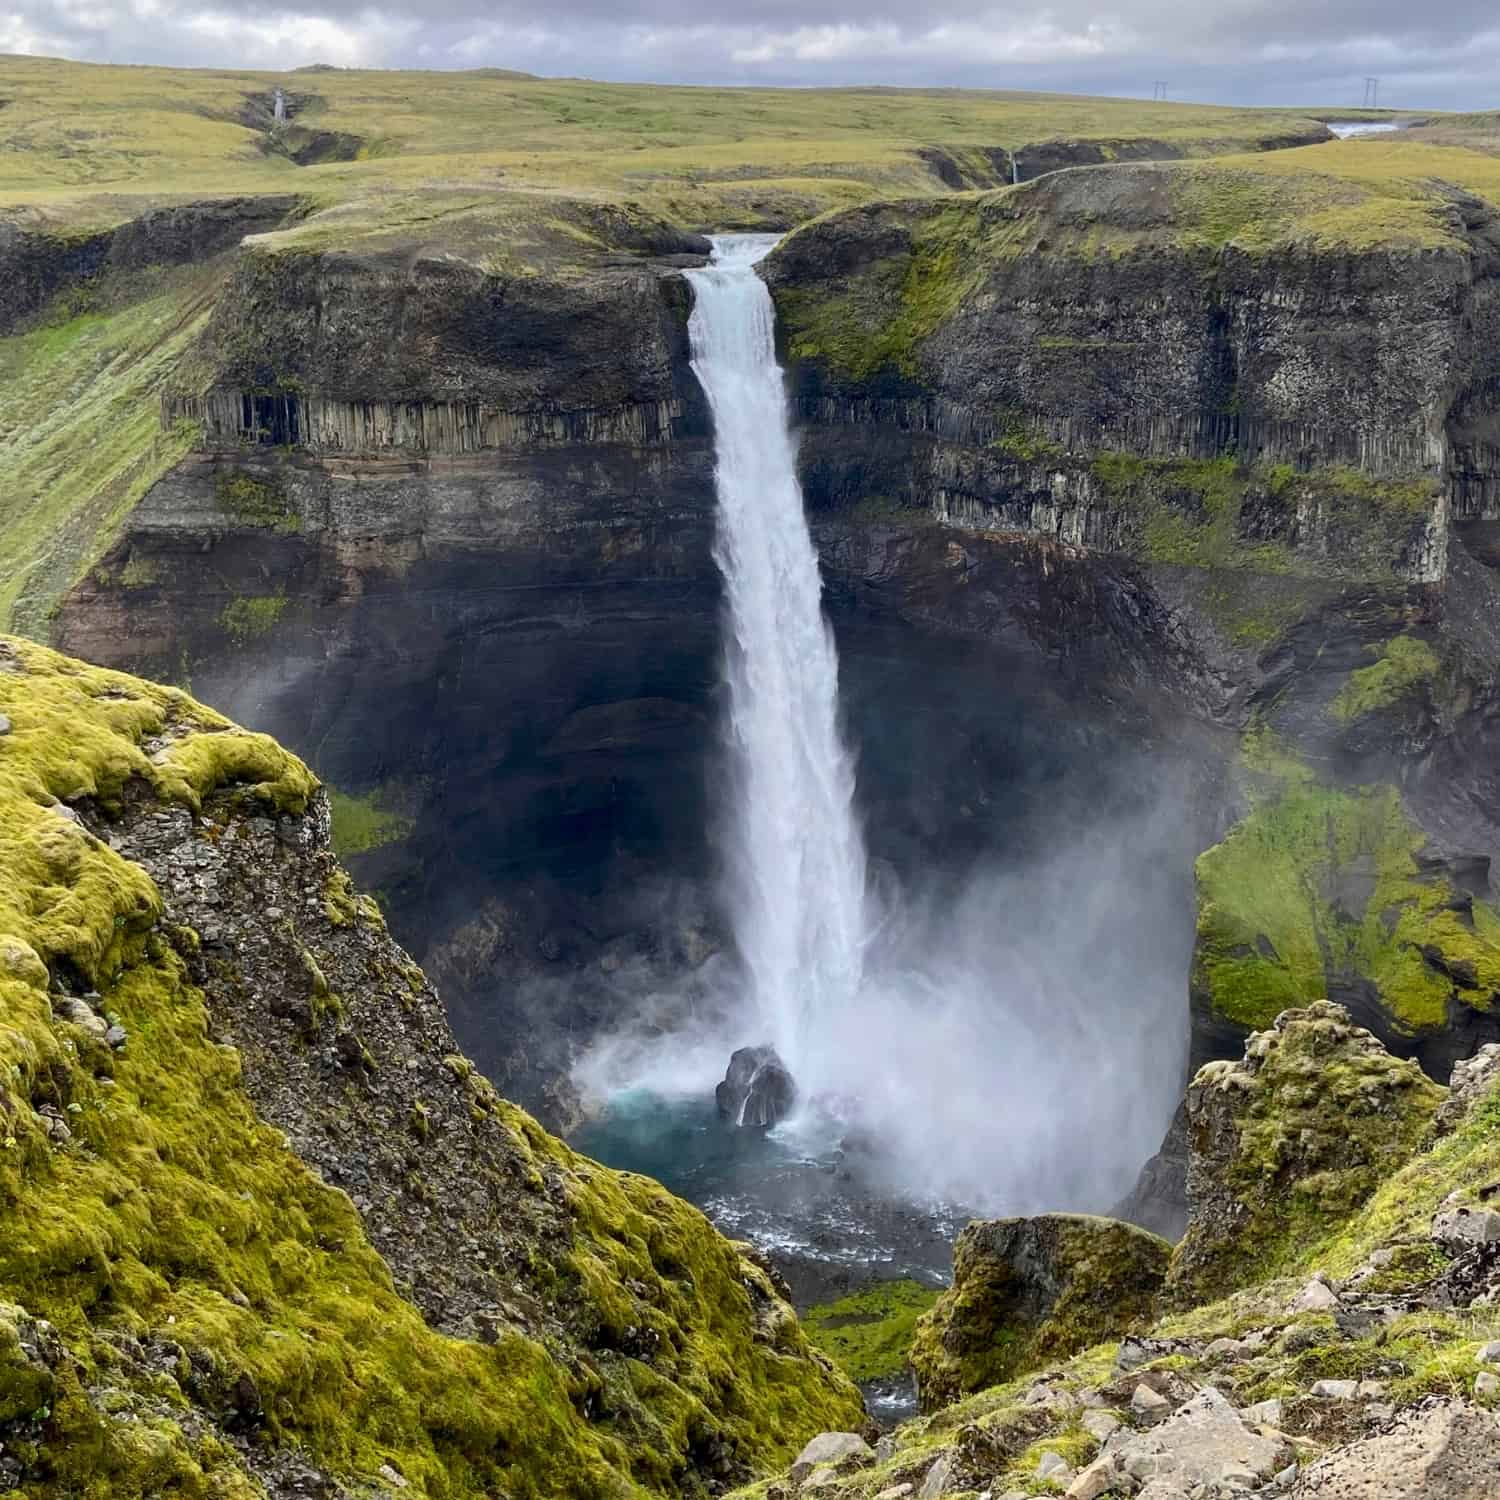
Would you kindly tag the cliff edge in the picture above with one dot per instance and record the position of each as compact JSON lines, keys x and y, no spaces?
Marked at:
{"x":266,"y":1230}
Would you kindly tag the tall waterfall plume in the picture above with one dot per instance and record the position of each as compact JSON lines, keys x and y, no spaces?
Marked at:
{"x":796,"y":855}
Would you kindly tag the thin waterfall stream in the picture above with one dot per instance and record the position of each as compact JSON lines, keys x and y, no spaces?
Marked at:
{"x":796,"y":856}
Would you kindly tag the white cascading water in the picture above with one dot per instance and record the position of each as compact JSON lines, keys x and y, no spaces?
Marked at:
{"x":1000,"y":1039}
{"x":797,"y":858}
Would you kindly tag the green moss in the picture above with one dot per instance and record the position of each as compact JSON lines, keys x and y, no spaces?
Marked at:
{"x":880,"y":320}
{"x":1300,"y":1135}
{"x":1402,"y":665}
{"x":869,"y":1334}
{"x":81,"y":441}
{"x":250,"y":500}
{"x":1027,"y":446}
{"x":361,"y":823}
{"x":139,"y":572}
{"x":175,"y":1218}
{"x":250,"y":617}
{"x":1319,"y":884}
{"x":1101,"y":1278}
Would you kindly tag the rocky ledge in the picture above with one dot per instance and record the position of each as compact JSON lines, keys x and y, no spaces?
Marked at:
{"x":267,"y":1231}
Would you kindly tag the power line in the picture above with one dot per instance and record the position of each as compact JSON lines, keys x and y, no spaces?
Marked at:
{"x":1158,"y":90}
{"x":1372,"y":93}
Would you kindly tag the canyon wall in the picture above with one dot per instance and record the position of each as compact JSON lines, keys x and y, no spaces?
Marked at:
{"x":450,"y":529}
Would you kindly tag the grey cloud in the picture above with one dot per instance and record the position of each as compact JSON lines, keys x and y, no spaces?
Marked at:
{"x":1444,"y":54}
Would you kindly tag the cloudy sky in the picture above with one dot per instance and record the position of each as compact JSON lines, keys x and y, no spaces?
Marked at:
{"x":1435,"y":53}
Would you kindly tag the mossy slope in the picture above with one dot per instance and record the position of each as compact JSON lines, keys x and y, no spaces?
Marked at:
{"x":869,"y":1333}
{"x":1288,"y":1143}
{"x":219,"y":1311}
{"x":1323,"y":888}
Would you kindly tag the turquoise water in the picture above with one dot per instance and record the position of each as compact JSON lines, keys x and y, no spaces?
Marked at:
{"x":799,"y":1197}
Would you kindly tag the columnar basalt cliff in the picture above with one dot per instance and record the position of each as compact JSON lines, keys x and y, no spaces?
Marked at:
{"x":1063,"y":359}
{"x":268,"y":1230}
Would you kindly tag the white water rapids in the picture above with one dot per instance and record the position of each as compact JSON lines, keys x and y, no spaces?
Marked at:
{"x":796,"y":857}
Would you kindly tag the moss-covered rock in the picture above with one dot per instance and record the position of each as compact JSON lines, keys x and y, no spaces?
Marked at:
{"x":1288,"y":1143}
{"x":551,"y":1328}
{"x":1324,"y":890}
{"x":1028,"y":1290}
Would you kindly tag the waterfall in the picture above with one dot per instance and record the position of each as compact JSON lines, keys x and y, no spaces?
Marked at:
{"x":796,"y":858}
{"x":279,"y":107}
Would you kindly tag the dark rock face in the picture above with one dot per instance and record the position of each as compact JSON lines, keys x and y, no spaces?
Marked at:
{"x":757,"y":1092}
{"x":1171,"y":349}
{"x":477,"y":512}
{"x":1159,"y":1201}
{"x":35,"y":267}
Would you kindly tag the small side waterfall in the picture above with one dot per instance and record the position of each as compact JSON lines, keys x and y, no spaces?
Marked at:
{"x":797,"y":858}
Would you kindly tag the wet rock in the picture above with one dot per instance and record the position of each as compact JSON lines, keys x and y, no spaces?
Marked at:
{"x":1158,"y":1201}
{"x":1442,"y":1450}
{"x":1026,"y":1290}
{"x":757,"y":1091}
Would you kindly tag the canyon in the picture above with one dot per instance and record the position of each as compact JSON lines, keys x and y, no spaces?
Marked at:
{"x":1153,"y":483}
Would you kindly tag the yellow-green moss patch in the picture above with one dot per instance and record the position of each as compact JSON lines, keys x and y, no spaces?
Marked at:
{"x":869,"y":1333}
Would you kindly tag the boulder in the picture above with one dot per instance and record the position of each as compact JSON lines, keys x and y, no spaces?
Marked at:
{"x":936,"y":1481}
{"x":1445,"y":1449}
{"x":1472,"y":1078}
{"x":1197,"y":1443}
{"x":1291,"y":1141}
{"x":1029,"y":1290}
{"x":757,"y":1091}
{"x":1463,"y":1226}
{"x":830,"y":1448}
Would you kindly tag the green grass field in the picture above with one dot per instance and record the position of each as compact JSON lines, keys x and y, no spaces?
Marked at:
{"x":86,"y":144}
